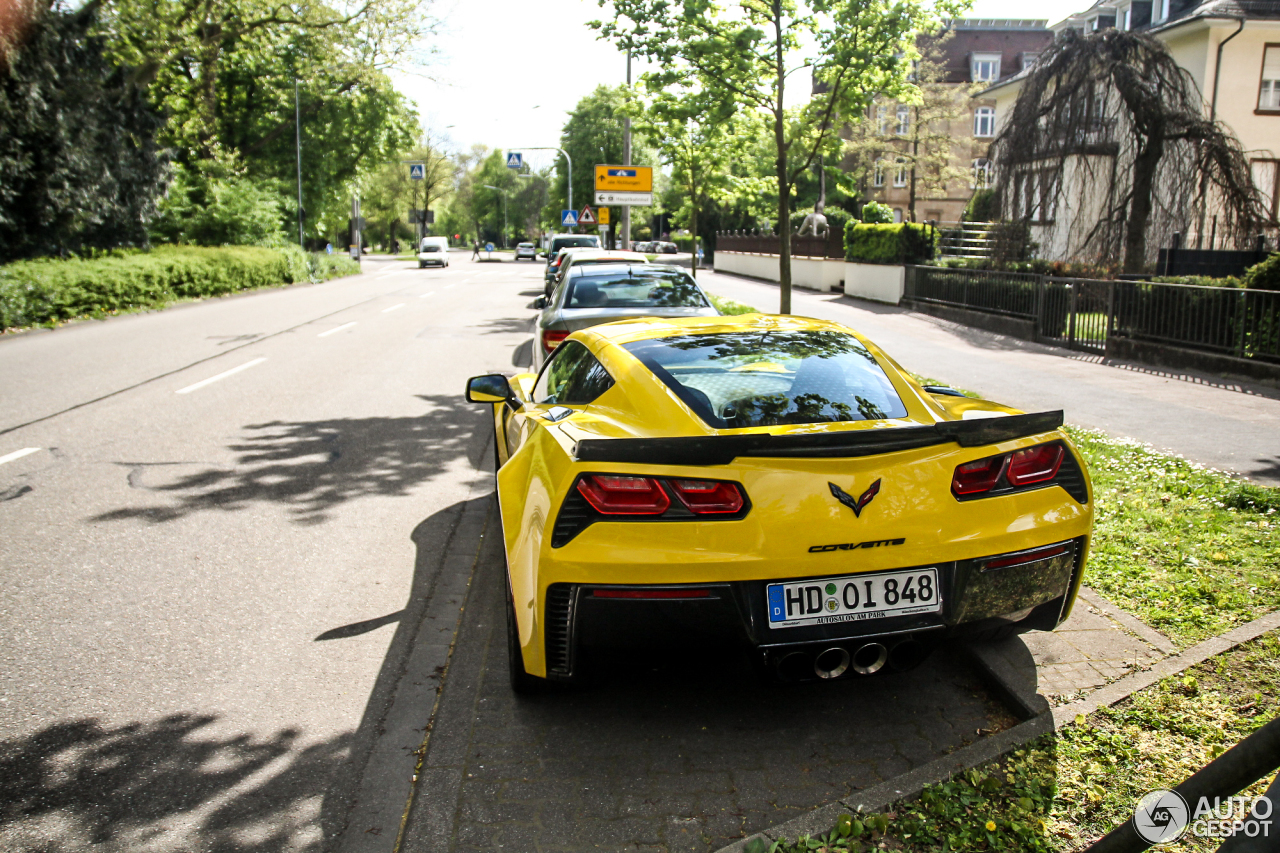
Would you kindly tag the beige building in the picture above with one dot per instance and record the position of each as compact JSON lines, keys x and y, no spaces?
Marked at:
{"x":1231,"y":50}
{"x":971,"y":52}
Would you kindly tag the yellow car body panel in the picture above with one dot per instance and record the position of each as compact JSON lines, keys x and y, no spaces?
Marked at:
{"x":791,"y":509}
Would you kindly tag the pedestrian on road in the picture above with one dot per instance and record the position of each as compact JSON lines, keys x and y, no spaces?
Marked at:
{"x":475,"y":250}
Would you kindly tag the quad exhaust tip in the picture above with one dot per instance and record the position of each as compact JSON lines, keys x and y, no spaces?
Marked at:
{"x":870,"y":658}
{"x":832,"y":663}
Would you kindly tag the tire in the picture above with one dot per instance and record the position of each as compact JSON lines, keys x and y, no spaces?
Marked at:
{"x":421,"y":265}
{"x":522,"y":683}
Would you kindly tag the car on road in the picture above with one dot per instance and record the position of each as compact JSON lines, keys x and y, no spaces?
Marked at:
{"x":776,"y":482}
{"x":526,"y":250}
{"x":570,"y":241}
{"x":645,"y":247}
{"x":591,"y":294}
{"x":578,"y":257}
{"x":665,"y":248}
{"x":433,"y":251}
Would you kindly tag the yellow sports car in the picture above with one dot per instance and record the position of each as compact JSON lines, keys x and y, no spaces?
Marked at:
{"x":777,"y":482}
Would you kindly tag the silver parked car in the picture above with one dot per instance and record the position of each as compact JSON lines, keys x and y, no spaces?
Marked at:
{"x":601,"y":293}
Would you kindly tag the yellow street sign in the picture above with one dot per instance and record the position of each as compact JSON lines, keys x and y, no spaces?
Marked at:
{"x":636,"y":179}
{"x":602,"y":215}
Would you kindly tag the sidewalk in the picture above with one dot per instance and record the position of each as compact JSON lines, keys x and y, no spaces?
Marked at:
{"x":1221,"y":423}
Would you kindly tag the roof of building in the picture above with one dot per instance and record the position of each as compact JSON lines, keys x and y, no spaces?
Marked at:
{"x":1009,"y":38}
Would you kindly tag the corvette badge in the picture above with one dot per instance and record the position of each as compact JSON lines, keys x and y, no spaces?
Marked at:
{"x":859,"y":504}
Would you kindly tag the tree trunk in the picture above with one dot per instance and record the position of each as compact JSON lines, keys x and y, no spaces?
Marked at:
{"x":1144,"y":175}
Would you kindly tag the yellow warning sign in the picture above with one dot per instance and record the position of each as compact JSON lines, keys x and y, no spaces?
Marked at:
{"x":635,"y":179}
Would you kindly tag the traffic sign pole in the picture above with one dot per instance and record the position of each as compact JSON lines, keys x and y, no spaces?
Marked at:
{"x":626,"y":161}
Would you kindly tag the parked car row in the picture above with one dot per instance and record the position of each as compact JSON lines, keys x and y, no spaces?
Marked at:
{"x":656,"y":247}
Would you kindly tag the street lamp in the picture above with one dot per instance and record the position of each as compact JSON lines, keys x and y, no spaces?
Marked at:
{"x":567,"y":158}
{"x":504,"y":211}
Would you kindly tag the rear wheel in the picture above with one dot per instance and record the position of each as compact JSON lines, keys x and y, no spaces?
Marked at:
{"x":522,"y":682}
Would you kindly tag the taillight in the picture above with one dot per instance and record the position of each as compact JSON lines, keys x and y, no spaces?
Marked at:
{"x":709,"y":497}
{"x":1034,"y":465}
{"x":551,"y":338}
{"x":978,"y":476}
{"x":618,"y":495}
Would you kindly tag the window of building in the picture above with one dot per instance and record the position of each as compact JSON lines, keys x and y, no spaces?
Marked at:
{"x":980,"y":178}
{"x":1036,"y":196}
{"x":900,"y":176}
{"x":1126,"y":20}
{"x":1162,"y":10}
{"x":877,"y":177}
{"x":1266,"y":177}
{"x":904,"y":120}
{"x":984,"y":121}
{"x":882,"y":119}
{"x":985,"y":67}
{"x":1269,"y":90}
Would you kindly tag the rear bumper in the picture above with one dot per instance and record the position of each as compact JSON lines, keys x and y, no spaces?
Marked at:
{"x":1035,"y":595}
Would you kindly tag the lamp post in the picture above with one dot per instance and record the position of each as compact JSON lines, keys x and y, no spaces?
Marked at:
{"x":567,"y":158}
{"x":504,"y":211}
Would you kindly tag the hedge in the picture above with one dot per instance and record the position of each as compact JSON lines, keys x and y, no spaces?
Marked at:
{"x":48,"y":290}
{"x":904,"y":243}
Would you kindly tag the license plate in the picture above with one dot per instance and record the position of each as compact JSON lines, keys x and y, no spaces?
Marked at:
{"x":853,"y":599}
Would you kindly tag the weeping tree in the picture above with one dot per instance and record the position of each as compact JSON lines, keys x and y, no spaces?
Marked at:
{"x":1109,"y":148}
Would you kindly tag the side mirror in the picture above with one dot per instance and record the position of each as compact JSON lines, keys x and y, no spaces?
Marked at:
{"x":540,"y":302}
{"x":490,"y":388}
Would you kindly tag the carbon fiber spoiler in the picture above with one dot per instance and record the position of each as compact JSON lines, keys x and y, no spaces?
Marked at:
{"x":723,"y":449}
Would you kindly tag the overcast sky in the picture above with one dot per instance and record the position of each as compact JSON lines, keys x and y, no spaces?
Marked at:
{"x":508,"y":71}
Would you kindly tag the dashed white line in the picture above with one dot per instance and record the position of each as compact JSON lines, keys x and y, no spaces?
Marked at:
{"x":18,"y":454}
{"x":223,"y":375}
{"x":336,"y":329}
{"x":392,"y":308}
{"x":425,"y":295}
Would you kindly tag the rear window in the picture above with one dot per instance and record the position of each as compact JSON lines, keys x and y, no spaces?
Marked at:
{"x":634,"y":289}
{"x":585,"y":240}
{"x":431,"y":247}
{"x":770,"y":378}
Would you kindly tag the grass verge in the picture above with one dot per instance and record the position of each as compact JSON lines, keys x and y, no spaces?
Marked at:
{"x":729,"y":307}
{"x":49,"y":291}
{"x":1066,"y":790}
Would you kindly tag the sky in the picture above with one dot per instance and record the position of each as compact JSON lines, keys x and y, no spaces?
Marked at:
{"x":507,"y":72}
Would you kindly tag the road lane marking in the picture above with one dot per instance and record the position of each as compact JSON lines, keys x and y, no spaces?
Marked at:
{"x":336,"y":329}
{"x":18,"y":454}
{"x":392,"y":308}
{"x":223,"y":375}
{"x":425,"y":295}
{"x":447,"y":286}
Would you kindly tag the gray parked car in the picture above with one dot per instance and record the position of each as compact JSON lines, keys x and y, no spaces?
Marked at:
{"x":602,"y":293}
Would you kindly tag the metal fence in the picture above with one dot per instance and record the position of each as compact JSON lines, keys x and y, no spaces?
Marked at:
{"x":1084,"y":313}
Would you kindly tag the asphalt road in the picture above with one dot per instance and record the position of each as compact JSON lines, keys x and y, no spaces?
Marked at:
{"x":207,"y":555}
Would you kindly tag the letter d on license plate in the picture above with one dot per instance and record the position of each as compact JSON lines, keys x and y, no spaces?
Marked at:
{"x":853,"y":598}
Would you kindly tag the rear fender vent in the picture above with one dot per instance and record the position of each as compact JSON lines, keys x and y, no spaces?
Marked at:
{"x":559,"y":628}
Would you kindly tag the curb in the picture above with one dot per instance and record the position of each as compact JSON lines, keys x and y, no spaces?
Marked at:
{"x":1129,"y":622}
{"x":1005,"y":680}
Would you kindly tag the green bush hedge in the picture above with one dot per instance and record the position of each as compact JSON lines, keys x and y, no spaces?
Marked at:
{"x":904,"y":243}
{"x":1264,"y":276}
{"x":49,"y":290}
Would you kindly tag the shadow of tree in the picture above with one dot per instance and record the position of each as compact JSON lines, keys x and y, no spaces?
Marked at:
{"x":313,"y":466}
{"x":167,"y":785}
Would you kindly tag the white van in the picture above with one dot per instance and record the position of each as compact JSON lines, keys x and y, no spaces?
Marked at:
{"x":433,"y":250}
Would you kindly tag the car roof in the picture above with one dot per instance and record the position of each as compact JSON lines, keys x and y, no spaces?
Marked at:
{"x":645,"y":328}
{"x":641,"y":266}
{"x":609,"y":253}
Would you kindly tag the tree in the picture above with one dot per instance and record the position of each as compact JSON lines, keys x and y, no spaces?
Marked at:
{"x":388,"y":193}
{"x":1108,"y":147}
{"x":693,"y":137}
{"x":79,"y":162}
{"x":746,"y":52}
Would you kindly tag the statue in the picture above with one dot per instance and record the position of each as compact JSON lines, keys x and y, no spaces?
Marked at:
{"x":815,"y":223}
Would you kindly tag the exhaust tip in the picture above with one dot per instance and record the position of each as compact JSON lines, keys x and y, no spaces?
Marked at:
{"x":832,"y":663}
{"x":793,"y":667}
{"x":907,"y":654}
{"x":870,"y":658}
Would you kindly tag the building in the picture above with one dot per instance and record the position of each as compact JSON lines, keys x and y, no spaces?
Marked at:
{"x":1231,"y":51}
{"x":941,"y":146}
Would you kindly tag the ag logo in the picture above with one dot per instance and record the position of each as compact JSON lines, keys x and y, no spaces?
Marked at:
{"x":858,"y":504}
{"x":1161,"y":817}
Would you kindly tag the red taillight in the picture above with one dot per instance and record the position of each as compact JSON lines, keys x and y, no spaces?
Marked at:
{"x":709,"y":497}
{"x":1034,"y":465}
{"x":651,"y":593}
{"x":1023,"y":559}
{"x":551,"y":339}
{"x":616,"y":495}
{"x":978,"y":476}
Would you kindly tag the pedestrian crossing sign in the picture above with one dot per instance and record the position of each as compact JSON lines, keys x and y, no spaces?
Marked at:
{"x":568,"y":218}
{"x":416,"y":171}
{"x":515,"y":160}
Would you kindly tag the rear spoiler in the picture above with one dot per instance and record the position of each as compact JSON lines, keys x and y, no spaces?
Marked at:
{"x":723,"y":449}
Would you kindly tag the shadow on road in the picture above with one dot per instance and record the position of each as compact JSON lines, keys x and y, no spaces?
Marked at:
{"x":169,"y":784}
{"x":313,"y":466}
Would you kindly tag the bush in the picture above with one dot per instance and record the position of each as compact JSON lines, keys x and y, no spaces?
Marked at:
{"x":875,"y":213}
{"x":903,"y":243}
{"x":49,"y":290}
{"x":984,"y":206}
{"x":216,"y":206}
{"x":1264,"y":276}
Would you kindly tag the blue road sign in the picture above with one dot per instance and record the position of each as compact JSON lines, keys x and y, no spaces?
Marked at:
{"x":569,"y":218}
{"x":622,"y":173}
{"x":488,"y":247}
{"x":515,"y":160}
{"x":417,"y":171}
